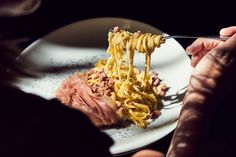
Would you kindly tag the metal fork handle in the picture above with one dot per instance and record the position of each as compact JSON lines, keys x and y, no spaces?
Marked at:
{"x":195,"y":37}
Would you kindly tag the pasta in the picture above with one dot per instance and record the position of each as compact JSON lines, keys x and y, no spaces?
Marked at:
{"x":114,"y":90}
{"x":137,"y":93}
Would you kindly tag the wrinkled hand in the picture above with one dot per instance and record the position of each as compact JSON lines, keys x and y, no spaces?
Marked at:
{"x":212,"y":79}
{"x":202,"y":46}
{"x":212,"y":60}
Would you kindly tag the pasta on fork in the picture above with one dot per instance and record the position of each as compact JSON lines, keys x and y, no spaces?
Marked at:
{"x":115,"y":90}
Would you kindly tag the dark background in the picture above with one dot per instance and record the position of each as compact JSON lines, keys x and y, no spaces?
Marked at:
{"x":193,"y":17}
{"x":173,"y":17}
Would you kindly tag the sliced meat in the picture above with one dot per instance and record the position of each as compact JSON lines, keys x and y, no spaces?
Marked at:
{"x":75,"y":92}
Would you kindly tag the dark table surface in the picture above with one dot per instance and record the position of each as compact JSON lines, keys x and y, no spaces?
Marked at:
{"x":190,"y":18}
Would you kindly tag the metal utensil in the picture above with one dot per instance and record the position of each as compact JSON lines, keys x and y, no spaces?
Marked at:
{"x":195,"y":37}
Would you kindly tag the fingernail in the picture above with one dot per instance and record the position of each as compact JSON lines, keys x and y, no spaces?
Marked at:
{"x":222,"y":31}
{"x":188,"y":50}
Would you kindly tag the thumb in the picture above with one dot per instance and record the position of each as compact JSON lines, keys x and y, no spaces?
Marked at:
{"x":229,"y":31}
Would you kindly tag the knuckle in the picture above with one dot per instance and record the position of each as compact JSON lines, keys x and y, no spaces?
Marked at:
{"x":223,"y":56}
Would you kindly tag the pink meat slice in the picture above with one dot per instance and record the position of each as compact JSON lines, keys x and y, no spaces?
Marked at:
{"x":76,"y":93}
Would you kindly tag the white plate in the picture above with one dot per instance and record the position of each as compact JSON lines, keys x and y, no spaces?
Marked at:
{"x":80,"y":45}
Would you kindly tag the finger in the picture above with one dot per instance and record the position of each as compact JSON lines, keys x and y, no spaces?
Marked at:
{"x":195,"y":47}
{"x":229,"y":31}
{"x":226,"y":52}
{"x":230,"y":44}
{"x":197,"y":57}
{"x":202,"y":44}
{"x":148,"y":153}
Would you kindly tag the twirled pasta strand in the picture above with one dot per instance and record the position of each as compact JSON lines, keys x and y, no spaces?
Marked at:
{"x":133,"y":89}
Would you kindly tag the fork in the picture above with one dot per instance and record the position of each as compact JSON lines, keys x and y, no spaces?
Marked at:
{"x":222,"y":38}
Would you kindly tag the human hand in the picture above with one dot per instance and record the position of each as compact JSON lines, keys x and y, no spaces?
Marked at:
{"x":212,"y":79}
{"x":148,"y":153}
{"x":211,"y":58}
{"x":202,"y":46}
